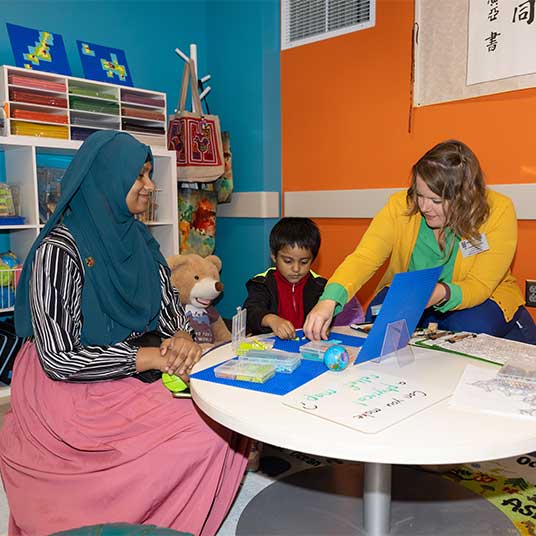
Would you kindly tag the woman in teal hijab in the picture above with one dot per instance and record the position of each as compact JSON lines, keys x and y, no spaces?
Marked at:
{"x":94,"y":288}
{"x":121,"y":293}
{"x":122,"y":288}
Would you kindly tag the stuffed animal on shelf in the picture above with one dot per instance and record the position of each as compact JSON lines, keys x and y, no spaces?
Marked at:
{"x":198,"y":281}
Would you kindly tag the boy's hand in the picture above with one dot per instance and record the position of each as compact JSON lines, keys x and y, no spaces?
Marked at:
{"x":281,"y":327}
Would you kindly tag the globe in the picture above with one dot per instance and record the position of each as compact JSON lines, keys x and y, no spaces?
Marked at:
{"x":336,"y":357}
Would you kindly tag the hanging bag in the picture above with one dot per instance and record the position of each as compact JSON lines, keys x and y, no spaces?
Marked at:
{"x":197,"y":218}
{"x":196,"y":138}
{"x":224,"y":185}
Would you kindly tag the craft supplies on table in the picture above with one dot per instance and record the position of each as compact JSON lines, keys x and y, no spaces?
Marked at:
{"x":244,"y":371}
{"x":282,"y":361}
{"x":253,"y":344}
{"x":519,"y":368}
{"x":479,"y":346}
{"x":279,"y":384}
{"x":482,"y":389}
{"x":300,"y":340}
{"x":314,"y":350}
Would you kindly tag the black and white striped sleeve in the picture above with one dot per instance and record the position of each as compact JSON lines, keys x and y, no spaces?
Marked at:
{"x":56,"y":291}
{"x":172,"y":315}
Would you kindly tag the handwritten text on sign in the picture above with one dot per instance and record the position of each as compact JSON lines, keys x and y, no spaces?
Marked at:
{"x":363,"y":398}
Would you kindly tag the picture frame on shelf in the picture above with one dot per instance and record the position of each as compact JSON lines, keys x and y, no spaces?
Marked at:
{"x":38,"y":50}
{"x":103,"y":63}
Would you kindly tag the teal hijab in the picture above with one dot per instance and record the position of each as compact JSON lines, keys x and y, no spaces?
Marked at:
{"x":121,"y":291}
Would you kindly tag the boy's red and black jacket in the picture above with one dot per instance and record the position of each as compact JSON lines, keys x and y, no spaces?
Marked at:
{"x":263,"y":298}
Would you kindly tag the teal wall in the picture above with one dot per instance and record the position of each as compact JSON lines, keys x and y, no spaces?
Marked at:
{"x":243,"y":57}
{"x":238,"y":44}
{"x":148,"y":31}
{"x":149,"y":36}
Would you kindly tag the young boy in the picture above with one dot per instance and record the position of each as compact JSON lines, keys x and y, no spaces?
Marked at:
{"x":280,"y":298}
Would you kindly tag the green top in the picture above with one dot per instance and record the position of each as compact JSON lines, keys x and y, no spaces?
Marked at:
{"x":426,"y":254}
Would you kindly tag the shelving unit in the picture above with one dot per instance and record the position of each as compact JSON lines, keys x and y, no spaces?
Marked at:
{"x":64,"y":107}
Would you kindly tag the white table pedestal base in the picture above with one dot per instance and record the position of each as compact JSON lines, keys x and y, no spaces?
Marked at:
{"x":338,"y":500}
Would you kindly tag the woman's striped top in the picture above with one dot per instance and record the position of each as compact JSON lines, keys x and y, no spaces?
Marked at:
{"x":55,"y":297}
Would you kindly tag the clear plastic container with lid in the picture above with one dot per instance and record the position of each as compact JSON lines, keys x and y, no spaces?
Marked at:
{"x":283,"y":361}
{"x":245,"y":371}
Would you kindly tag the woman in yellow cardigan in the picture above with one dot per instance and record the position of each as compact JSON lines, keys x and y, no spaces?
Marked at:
{"x":446,"y":217}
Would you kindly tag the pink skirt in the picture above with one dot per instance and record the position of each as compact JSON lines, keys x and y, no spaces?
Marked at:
{"x":81,"y":454}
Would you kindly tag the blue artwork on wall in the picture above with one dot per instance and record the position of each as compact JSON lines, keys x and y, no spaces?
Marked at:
{"x":38,"y":50}
{"x":104,"y":64}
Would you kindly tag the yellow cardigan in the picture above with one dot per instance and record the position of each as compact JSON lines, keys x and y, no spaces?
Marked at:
{"x":393,"y":233}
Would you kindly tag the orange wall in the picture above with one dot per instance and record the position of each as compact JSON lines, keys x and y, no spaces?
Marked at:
{"x":345,"y":108}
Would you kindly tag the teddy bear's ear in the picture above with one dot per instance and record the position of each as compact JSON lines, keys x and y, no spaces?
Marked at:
{"x":176,"y":261}
{"x":216,"y":261}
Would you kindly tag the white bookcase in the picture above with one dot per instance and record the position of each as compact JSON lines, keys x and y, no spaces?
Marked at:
{"x":52,"y":105}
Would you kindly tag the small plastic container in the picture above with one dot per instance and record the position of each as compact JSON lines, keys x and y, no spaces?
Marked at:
{"x":282,"y":361}
{"x":245,"y":371}
{"x":246,"y":345}
{"x":7,"y":207}
{"x":314,"y":350}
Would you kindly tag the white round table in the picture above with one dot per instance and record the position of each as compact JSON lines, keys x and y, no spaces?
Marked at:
{"x":437,"y":435}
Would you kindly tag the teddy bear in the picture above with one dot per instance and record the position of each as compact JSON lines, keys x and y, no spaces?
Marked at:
{"x":198,"y":281}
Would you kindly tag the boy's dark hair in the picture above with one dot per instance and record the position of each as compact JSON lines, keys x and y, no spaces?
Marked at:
{"x":300,"y":232}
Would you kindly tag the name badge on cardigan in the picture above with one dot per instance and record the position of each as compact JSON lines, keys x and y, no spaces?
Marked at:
{"x":468,"y":249}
